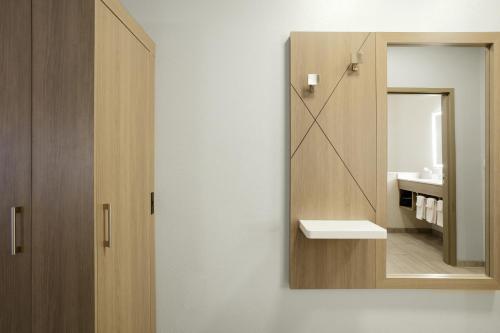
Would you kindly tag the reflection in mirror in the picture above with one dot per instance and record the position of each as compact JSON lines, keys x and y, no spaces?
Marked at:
{"x":436,"y":193}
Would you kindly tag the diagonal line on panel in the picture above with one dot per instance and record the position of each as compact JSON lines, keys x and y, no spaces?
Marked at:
{"x":312,"y":122}
{"x":302,"y":100}
{"x":345,"y":162}
{"x":341,"y":78}
{"x":327,"y":100}
{"x":326,"y":136}
{"x":345,"y":165}
{"x":305,"y":135}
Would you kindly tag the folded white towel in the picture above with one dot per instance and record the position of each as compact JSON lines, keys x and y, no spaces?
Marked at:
{"x":439,"y":215}
{"x":430,"y":210}
{"x":420,"y":207}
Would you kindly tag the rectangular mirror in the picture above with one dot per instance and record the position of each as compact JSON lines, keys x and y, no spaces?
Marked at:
{"x":401,"y":132}
{"x":437,"y":166}
{"x":436,"y":150}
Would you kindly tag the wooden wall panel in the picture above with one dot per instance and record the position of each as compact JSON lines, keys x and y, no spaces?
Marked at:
{"x":322,"y":188}
{"x":15,"y":164}
{"x":63,"y":238}
{"x":301,"y":121}
{"x":349,"y":121}
{"x":331,"y":169}
{"x":336,"y":156}
{"x":325,"y":53}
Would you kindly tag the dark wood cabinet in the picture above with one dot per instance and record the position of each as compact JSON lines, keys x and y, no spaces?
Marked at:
{"x":15,"y":166}
{"x":76,"y":143}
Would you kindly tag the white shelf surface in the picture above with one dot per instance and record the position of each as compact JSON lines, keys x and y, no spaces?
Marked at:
{"x":342,"y":229}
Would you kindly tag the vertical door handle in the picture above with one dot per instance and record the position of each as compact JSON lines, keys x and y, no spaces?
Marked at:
{"x":13,"y":224}
{"x":107,"y":210}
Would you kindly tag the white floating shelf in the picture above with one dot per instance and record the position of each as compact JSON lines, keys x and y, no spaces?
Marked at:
{"x":342,"y":229}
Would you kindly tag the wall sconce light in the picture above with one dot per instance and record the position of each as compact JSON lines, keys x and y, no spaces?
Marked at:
{"x":356,"y":59}
{"x":312,"y":81}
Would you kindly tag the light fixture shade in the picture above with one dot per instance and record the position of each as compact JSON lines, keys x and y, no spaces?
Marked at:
{"x":312,"y":79}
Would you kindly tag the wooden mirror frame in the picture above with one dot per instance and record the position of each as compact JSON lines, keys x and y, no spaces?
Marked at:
{"x":491,"y":41}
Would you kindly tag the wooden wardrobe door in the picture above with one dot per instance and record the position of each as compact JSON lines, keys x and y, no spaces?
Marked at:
{"x":122,"y":161}
{"x":62,"y":159}
{"x":15,"y":165}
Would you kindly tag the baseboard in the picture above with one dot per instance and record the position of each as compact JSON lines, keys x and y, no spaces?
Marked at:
{"x":437,"y":233}
{"x":470,"y":263}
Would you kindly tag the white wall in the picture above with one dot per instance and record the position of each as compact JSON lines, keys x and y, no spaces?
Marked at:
{"x":461,"y":68}
{"x":409,"y":132}
{"x":222,"y":169}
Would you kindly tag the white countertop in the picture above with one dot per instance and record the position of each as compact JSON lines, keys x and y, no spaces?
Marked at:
{"x":342,"y":229}
{"x":422,"y":181}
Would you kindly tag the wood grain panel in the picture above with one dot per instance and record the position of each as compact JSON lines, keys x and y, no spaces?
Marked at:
{"x":349,"y":121}
{"x":124,"y":129}
{"x":15,"y":164}
{"x":300,"y":120}
{"x":108,"y":123}
{"x":124,"y":16}
{"x":134,"y":252}
{"x":449,"y":184}
{"x":63,"y":238}
{"x":150,"y":176}
{"x":325,"y":53}
{"x":321,"y":188}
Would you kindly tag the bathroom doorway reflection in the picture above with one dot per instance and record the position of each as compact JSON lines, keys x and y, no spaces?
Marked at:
{"x":436,"y":161}
{"x":421,"y":224}
{"x":421,"y":180}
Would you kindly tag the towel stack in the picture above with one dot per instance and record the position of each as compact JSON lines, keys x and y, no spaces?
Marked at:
{"x":430,"y":210}
{"x":420,"y":207}
{"x":439,"y":210}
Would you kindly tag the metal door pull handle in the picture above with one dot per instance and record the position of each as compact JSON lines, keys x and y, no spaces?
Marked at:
{"x":107,"y":209}
{"x":13,"y":224}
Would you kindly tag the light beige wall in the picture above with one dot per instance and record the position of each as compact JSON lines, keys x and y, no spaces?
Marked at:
{"x":222,"y":155}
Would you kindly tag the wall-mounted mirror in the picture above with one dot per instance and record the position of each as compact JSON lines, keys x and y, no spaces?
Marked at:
{"x":437,"y":171}
{"x":408,"y":145}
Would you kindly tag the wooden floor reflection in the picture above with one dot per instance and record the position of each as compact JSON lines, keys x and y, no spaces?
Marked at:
{"x":420,"y":253}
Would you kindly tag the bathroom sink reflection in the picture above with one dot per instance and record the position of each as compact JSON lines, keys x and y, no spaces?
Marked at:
{"x":414,"y":177}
